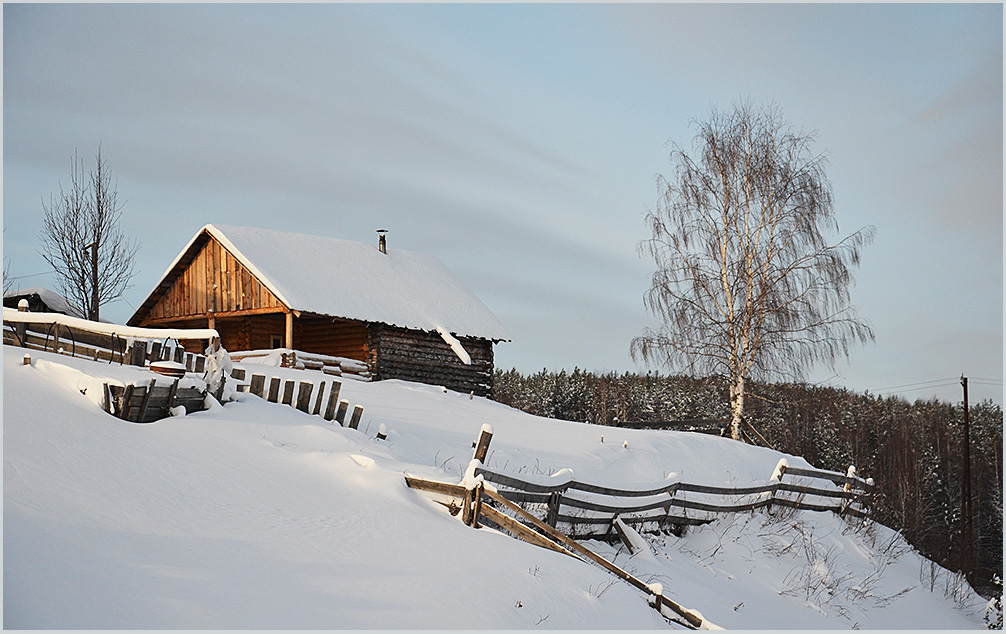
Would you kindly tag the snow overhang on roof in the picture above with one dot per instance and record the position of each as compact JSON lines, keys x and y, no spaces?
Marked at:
{"x":353,"y":280}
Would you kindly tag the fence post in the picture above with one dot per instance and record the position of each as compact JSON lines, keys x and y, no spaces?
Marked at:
{"x":138,"y":353}
{"x":847,"y":501}
{"x":482,"y":445}
{"x":257,"y":384}
{"x":21,"y":329}
{"x":341,"y":414}
{"x":333,"y":400}
{"x":354,"y":422}
{"x":554,"y":500}
{"x":777,"y":474}
{"x":273,"y":396}
{"x":472,"y":506}
{"x":304,"y":396}
{"x":145,"y":401}
{"x":288,"y":388}
{"x":317,"y":401}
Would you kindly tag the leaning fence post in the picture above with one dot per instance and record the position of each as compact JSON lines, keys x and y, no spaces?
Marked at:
{"x":341,"y":414}
{"x":304,"y":396}
{"x":317,"y":401}
{"x":333,"y":400}
{"x":354,"y":422}
{"x":482,"y":445}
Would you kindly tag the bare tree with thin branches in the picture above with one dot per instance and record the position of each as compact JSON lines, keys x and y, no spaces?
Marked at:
{"x":82,"y":242}
{"x":747,"y":283}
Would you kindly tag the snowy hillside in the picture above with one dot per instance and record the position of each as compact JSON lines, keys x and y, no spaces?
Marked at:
{"x":255,"y":515}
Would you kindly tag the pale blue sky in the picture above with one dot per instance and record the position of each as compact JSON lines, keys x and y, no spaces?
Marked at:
{"x":519,"y":144}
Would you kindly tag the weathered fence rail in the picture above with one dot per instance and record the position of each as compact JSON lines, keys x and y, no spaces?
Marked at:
{"x":100,"y":341}
{"x":619,"y":502}
{"x":478,"y":503}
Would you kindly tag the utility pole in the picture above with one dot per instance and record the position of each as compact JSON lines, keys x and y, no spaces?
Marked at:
{"x":967,"y":534}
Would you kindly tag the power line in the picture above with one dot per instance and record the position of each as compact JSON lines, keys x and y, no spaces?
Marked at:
{"x":953,"y":379}
{"x":23,"y":277}
{"x":916,"y":389}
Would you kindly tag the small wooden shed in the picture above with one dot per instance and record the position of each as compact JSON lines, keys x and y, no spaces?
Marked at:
{"x":400,"y":312}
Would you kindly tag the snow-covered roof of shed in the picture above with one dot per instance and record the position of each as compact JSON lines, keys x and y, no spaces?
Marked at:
{"x":353,"y":280}
{"x":52,"y":299}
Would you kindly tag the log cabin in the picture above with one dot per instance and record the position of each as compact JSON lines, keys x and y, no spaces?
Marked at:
{"x":400,"y":312}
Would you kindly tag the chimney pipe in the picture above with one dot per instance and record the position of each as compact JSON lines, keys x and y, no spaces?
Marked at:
{"x":382,"y":242}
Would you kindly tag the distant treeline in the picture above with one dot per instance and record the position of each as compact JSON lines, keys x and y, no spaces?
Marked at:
{"x":912,"y":450}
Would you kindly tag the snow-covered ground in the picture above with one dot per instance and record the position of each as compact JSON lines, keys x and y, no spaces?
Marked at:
{"x":255,"y":515}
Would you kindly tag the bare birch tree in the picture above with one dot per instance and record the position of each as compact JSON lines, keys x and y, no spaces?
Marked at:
{"x":747,"y":283}
{"x":82,"y":242}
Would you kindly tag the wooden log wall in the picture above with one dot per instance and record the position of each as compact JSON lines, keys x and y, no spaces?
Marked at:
{"x":333,"y":337}
{"x":424,"y":357}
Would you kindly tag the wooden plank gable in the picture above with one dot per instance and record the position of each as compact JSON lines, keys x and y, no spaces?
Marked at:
{"x":213,"y":280}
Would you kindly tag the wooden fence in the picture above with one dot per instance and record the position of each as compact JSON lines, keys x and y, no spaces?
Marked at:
{"x":98,"y":346}
{"x":149,"y":403}
{"x":588,"y":511}
{"x":477,"y":503}
{"x":305,"y":398}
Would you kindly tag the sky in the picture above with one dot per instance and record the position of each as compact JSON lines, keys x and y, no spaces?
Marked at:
{"x":520,"y":145}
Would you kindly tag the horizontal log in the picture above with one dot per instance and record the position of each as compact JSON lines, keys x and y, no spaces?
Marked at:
{"x":446,"y":488}
{"x":657,"y":519}
{"x":835,"y":477}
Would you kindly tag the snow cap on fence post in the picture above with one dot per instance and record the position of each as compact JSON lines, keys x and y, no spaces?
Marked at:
{"x":382,"y":432}
{"x":780,"y":470}
{"x":22,"y":305}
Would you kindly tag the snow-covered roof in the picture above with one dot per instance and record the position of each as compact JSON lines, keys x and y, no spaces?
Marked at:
{"x":52,"y":299}
{"x":353,"y":280}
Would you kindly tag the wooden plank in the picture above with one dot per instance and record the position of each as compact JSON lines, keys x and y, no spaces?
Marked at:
{"x":340,"y":415}
{"x":446,"y":488}
{"x":172,"y":394}
{"x":274,"y":383}
{"x":257,"y":384}
{"x":516,"y":528}
{"x":482,"y":446}
{"x":304,"y":396}
{"x":354,"y":421}
{"x":288,"y":388}
{"x":593,"y":488}
{"x":571,"y":545}
{"x":127,"y":398}
{"x":610,"y":508}
{"x":517,"y":483}
{"x":317,"y":401}
{"x":630,"y":544}
{"x":333,"y":400}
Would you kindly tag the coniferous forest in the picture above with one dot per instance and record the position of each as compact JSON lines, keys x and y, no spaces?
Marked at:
{"x":913,"y":451}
